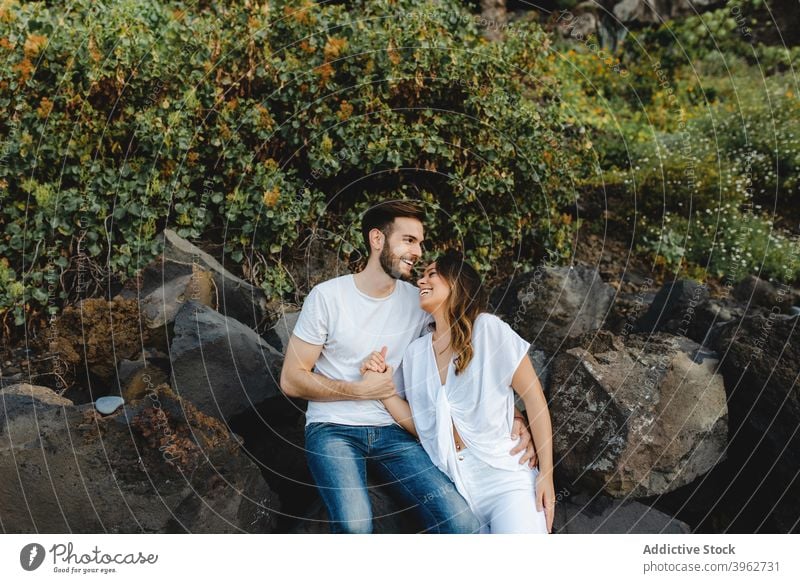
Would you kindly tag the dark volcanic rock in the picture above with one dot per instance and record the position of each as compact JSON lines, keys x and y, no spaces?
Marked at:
{"x":637,"y":419}
{"x":222,"y":366}
{"x":156,"y":465}
{"x":178,"y":275}
{"x":760,"y":367}
{"x":278,"y":336}
{"x":550,"y":305}
{"x":585,"y":514}
{"x":677,"y":309}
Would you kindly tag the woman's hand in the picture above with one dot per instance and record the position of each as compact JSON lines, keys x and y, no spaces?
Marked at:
{"x":546,"y":498}
{"x":519,"y":429}
{"x":375,"y":362}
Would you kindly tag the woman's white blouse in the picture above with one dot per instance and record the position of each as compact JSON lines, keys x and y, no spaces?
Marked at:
{"x":480,"y":400}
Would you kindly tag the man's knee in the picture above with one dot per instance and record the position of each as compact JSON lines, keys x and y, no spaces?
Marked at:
{"x":356,"y":526}
{"x":349,"y":510}
{"x":451,"y":513}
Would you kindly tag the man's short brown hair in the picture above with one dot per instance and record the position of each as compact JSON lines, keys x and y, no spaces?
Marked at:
{"x":382,"y":216}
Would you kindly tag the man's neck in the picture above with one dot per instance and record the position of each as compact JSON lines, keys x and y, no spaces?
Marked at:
{"x":374,"y":281}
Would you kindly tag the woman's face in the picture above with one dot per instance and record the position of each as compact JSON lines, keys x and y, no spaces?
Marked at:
{"x":433,"y":289}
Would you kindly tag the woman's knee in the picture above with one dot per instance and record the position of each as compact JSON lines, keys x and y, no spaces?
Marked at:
{"x":515,"y":513}
{"x":463,"y":522}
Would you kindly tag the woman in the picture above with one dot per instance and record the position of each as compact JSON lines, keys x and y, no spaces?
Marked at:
{"x":459,"y":380}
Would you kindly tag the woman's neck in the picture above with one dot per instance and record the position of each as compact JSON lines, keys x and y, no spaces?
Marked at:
{"x":442,"y":331}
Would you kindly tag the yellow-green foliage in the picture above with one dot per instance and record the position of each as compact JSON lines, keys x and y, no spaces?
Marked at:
{"x":247,"y":123}
{"x":696,"y":129}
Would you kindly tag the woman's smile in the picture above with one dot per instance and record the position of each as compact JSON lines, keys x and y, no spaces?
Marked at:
{"x":433,"y":289}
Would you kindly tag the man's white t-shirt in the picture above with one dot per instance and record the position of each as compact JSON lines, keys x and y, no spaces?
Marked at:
{"x":349,"y":325}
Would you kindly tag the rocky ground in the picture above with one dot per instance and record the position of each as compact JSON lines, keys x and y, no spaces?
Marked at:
{"x":675,"y":404}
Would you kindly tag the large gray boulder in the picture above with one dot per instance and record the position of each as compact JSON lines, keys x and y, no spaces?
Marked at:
{"x":658,"y":11}
{"x":637,"y":419}
{"x":221,"y":365}
{"x":679,"y":307}
{"x":184,"y":272}
{"x":756,"y":292}
{"x":598,"y":514}
{"x":17,"y":397}
{"x":278,"y":336}
{"x":760,"y":356}
{"x":156,"y":465}
{"x":160,"y":306}
{"x":550,"y":305}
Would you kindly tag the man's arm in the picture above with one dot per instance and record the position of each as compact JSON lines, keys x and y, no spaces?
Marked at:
{"x":297,"y":380}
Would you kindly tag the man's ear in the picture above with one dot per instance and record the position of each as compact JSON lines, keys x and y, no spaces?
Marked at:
{"x":377,"y":238}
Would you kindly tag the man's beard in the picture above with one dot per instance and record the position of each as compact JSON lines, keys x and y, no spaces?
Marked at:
{"x":391,"y":268}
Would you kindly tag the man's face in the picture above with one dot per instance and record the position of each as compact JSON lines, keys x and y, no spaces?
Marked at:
{"x":403,"y":248}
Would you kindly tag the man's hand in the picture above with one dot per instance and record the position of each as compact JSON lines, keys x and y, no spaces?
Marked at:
{"x":377,"y":385}
{"x":375,"y":362}
{"x":525,"y":443}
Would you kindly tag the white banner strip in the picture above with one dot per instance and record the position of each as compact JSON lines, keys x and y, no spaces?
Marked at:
{"x":406,"y":558}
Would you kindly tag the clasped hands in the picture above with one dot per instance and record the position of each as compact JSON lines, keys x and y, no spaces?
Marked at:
{"x":377,"y":382}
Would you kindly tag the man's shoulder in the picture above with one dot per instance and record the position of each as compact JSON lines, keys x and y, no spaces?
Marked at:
{"x":332,"y":286}
{"x":408,"y":286}
{"x":410,"y":296}
{"x":408,"y":289}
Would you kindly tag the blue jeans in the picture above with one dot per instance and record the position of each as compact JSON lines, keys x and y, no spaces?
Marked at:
{"x":339,"y":456}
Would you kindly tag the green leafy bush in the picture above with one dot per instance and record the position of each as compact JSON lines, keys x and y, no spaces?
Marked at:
{"x":737,"y":30}
{"x":245,"y":124}
{"x":723,"y":184}
{"x":694,"y":142}
{"x":728,"y":243}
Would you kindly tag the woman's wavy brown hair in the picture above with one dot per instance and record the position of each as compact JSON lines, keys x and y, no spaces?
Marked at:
{"x":467,"y":299}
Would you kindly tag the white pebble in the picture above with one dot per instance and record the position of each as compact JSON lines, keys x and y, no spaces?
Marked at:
{"x":107,"y":405}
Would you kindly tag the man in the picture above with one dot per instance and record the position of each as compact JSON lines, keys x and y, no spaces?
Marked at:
{"x":348,"y":430}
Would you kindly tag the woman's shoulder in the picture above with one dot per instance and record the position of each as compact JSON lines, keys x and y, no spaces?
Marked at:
{"x":491,"y":328}
{"x":488,"y":321}
{"x":418,"y":345}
